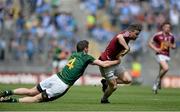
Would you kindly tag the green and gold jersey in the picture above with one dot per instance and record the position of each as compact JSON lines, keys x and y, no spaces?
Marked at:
{"x":75,"y":67}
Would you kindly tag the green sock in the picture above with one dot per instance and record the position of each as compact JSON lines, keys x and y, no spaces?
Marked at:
{"x":8,"y":92}
{"x":14,"y":100}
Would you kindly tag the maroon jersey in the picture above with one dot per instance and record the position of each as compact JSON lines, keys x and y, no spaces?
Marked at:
{"x":114,"y":48}
{"x":163,"y":42}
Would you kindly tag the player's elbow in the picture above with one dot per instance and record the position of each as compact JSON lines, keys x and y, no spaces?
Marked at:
{"x":150,"y":45}
{"x":174,"y":47}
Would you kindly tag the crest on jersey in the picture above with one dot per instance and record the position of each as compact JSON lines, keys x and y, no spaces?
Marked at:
{"x":126,"y":34}
{"x":160,"y":37}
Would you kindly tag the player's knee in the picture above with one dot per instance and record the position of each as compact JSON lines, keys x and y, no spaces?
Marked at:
{"x":128,"y":80}
{"x":31,"y":92}
{"x":113,"y":87}
{"x":37,"y":99}
{"x":165,"y":69}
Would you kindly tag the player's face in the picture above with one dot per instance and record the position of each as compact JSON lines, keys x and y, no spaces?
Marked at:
{"x":134,"y":34}
{"x":166,"y":28}
{"x":86,"y":50}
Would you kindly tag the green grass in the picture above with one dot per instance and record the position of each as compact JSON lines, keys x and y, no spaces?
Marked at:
{"x":83,"y":98}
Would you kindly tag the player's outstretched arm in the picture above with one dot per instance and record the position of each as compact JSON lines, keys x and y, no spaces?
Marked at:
{"x":105,"y":63}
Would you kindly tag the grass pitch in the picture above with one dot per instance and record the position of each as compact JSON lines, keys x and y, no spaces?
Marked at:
{"x":87,"y":98}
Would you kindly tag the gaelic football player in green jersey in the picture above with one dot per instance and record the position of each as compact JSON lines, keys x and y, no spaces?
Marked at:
{"x":58,"y":84}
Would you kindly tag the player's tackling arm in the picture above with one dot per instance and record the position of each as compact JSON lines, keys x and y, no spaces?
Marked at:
{"x":123,"y":43}
{"x":105,"y":63}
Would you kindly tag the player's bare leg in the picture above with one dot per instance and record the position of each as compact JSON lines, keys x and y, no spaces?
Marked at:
{"x":112,"y":86}
{"x":20,"y":91}
{"x":163,"y":70}
{"x":37,"y":98}
{"x":26,"y":91}
{"x":124,"y":78}
{"x":32,"y":99}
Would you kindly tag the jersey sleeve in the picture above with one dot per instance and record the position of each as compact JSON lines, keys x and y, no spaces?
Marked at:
{"x":90,"y":59}
{"x":155,"y":38}
{"x":172,"y":40}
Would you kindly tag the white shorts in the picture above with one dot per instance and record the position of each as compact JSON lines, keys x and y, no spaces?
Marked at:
{"x":161,"y":57}
{"x":112,"y":72}
{"x":53,"y":86}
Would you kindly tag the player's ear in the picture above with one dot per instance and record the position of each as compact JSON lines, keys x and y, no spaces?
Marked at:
{"x":86,"y":49}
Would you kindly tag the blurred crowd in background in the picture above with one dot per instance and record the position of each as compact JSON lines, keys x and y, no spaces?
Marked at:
{"x":30,"y":30}
{"x":106,"y":17}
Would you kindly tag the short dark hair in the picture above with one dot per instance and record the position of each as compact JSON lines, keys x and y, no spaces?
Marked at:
{"x":81,"y":45}
{"x":165,"y":23}
{"x":134,"y":26}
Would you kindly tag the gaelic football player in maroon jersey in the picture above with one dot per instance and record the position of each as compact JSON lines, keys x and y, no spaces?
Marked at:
{"x":116,"y":49}
{"x":161,"y":43}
